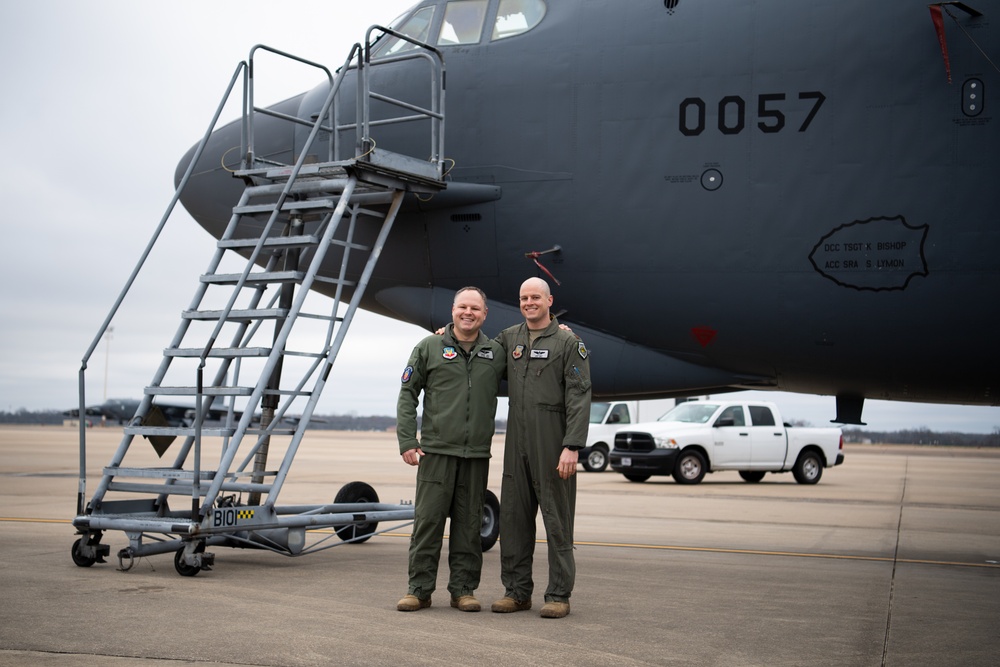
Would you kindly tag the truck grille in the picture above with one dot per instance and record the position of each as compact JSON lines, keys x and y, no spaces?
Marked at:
{"x":633,"y":442}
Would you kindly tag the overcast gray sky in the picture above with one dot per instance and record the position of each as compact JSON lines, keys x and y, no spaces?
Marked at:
{"x":101,"y":99}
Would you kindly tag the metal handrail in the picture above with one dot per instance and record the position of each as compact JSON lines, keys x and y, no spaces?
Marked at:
{"x":81,"y":491}
{"x":435,"y":114}
{"x":248,"y":103}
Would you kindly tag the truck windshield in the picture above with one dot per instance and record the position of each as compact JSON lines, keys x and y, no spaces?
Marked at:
{"x":597,"y":412}
{"x":692,"y":413}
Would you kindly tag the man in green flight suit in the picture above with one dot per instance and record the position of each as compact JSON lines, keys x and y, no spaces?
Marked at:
{"x":548,"y":374}
{"x":459,"y":374}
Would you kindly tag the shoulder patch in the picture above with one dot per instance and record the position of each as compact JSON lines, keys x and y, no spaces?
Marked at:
{"x":407,"y":374}
{"x":582,"y":349}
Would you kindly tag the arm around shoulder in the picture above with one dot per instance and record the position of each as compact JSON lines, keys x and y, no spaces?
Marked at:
{"x":577,"y":393}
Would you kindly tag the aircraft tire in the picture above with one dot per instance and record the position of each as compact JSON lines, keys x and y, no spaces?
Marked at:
{"x":636,"y":478}
{"x":490,"y":532}
{"x":809,"y":468}
{"x":597,"y":459}
{"x":690,"y":467}
{"x":356,"y":492}
{"x":752,"y":476}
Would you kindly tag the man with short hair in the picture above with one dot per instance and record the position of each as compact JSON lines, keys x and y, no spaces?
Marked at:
{"x":459,"y":374}
{"x":548,"y":374}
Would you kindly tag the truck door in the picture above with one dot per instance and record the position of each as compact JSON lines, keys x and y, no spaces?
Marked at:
{"x":767,"y":438}
{"x":619,"y":414}
{"x":731,"y":443}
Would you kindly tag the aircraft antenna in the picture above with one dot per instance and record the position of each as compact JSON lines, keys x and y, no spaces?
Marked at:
{"x":534,"y":255}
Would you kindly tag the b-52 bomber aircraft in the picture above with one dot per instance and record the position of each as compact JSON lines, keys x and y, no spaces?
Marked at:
{"x":798,"y":196}
{"x":795,"y":196}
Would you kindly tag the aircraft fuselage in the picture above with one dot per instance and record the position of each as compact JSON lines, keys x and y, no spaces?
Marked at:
{"x":785,"y":195}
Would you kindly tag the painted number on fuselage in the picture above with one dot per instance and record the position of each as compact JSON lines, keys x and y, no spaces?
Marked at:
{"x":732,"y":113}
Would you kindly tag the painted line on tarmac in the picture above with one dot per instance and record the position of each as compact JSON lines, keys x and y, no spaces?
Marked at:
{"x":793,"y":554}
{"x":663,"y":547}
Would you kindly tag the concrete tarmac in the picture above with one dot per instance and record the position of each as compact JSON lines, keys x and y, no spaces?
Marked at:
{"x":892,"y":559}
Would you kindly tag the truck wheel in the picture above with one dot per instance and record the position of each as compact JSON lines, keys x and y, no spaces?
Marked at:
{"x":635,"y":478}
{"x":809,"y":468}
{"x":690,"y":467}
{"x":490,"y":531}
{"x":597,"y":459}
{"x":752,"y":476}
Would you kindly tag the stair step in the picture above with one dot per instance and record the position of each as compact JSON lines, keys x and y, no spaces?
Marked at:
{"x":272,"y":431}
{"x":178,"y":431}
{"x":286,"y":392}
{"x":271,"y":242}
{"x":350,"y":246}
{"x":303,"y":353}
{"x":183,"y":488}
{"x":389,"y":169}
{"x":254,"y":278}
{"x":193,"y":391}
{"x":157,"y":473}
{"x":335,"y":281}
{"x":299,"y":205}
{"x":315,"y":170}
{"x":286,"y":242}
{"x":218,"y":352}
{"x":236,"y":315}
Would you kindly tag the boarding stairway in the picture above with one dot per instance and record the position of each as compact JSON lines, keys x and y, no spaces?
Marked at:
{"x":247,"y":354}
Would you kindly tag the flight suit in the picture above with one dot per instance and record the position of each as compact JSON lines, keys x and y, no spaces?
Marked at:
{"x":549,"y":384}
{"x":459,"y":412}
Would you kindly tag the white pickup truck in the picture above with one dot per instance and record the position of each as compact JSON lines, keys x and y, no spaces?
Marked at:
{"x":700,"y":437}
{"x":606,"y":417}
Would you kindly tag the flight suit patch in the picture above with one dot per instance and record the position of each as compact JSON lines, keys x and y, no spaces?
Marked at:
{"x":485,"y":354}
{"x":518,"y":352}
{"x":449,"y":353}
{"x":407,"y":374}
{"x":539,"y":354}
{"x":582,"y":349}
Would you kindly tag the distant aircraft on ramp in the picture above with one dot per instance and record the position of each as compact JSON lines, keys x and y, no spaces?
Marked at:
{"x":121,"y":410}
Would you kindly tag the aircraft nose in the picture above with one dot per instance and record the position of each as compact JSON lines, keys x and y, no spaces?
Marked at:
{"x":212,"y":189}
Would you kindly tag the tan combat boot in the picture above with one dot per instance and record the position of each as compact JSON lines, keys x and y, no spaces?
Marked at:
{"x":506,"y":605}
{"x":466,"y":603}
{"x":412,"y":603}
{"x":555,"y":609}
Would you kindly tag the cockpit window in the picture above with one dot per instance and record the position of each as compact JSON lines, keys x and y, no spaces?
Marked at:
{"x":417,"y":27}
{"x":463,"y":22}
{"x":517,"y":16}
